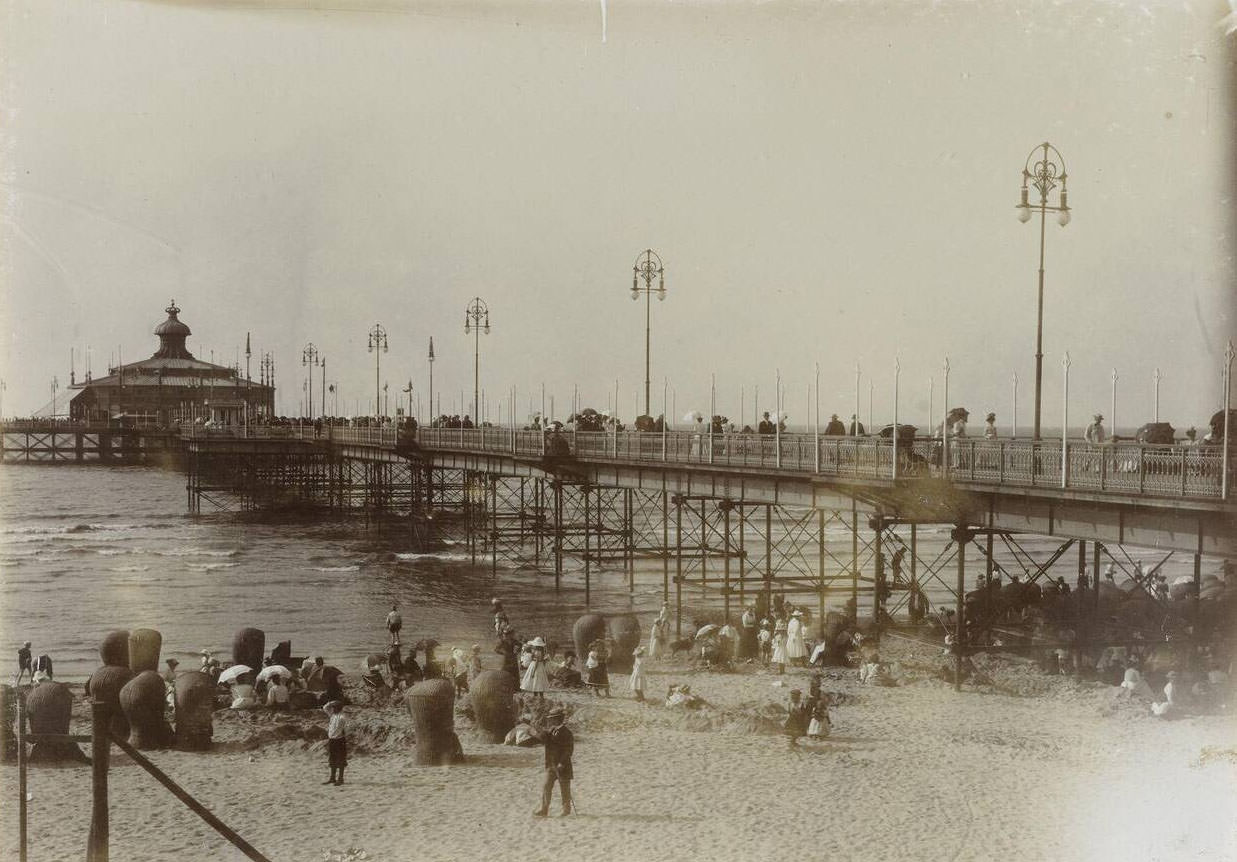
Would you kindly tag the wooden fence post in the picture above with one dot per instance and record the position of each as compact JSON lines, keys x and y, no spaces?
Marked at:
{"x":100,"y":751}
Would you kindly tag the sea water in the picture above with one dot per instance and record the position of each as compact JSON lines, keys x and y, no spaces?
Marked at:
{"x":84,"y":550}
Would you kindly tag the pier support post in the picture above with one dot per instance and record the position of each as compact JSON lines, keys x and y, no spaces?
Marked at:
{"x":742,"y":555}
{"x":704,"y":550}
{"x":854,"y":558}
{"x":820,"y":554}
{"x":726,"y":506}
{"x":493,"y":526}
{"x":588,"y":571}
{"x":629,"y":553}
{"x":665,"y":547}
{"x":961,"y":535}
{"x":768,"y":585}
{"x":100,"y":751}
{"x":878,"y":571}
{"x":678,"y":566}
{"x":558,"y":534}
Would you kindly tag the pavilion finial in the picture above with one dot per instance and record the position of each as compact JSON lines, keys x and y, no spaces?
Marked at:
{"x":172,"y":309}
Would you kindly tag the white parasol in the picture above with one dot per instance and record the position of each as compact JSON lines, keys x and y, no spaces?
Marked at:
{"x":692,"y":416}
{"x":271,"y":670}
{"x":704,"y":631}
{"x":234,"y":672}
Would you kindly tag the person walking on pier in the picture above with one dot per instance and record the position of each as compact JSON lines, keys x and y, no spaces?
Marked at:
{"x":25,"y":664}
{"x":394,"y":623}
{"x":559,"y":748}
{"x":1095,"y":431}
{"x":766,"y":426}
{"x":835,"y":428}
{"x":990,"y":427}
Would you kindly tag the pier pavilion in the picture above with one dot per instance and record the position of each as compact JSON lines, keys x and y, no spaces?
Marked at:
{"x":171,"y":387}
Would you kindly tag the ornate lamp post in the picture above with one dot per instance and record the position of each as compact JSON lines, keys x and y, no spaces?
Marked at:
{"x":309,"y":358}
{"x":55,"y":386}
{"x":476,"y":319}
{"x":377,"y":346}
{"x":408,"y":391}
{"x":648,"y":266}
{"x":1044,"y":170}
{"x":431,"y":360}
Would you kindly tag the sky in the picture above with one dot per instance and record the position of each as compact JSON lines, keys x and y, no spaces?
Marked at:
{"x":827,"y":183}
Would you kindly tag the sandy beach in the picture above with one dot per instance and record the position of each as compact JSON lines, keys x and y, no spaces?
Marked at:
{"x":1035,"y":767}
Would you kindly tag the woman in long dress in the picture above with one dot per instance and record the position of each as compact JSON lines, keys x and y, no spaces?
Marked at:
{"x":795,"y":648}
{"x":657,"y":635}
{"x":536,"y":677}
{"x":636,"y":681}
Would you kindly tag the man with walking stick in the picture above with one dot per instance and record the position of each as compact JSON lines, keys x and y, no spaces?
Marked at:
{"x":559,"y":746}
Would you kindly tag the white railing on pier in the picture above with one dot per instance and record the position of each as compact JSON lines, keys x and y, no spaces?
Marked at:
{"x":1119,"y":468}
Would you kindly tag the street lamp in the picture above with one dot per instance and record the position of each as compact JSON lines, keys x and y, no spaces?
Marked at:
{"x":648,"y":266}
{"x":309,"y":357}
{"x":55,"y":386}
{"x":431,"y":396}
{"x":377,"y":346}
{"x":1045,"y":170}
{"x":476,"y":318}
{"x":408,"y":391}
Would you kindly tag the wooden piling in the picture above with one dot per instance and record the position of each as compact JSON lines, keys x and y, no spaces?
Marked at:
{"x":100,"y":755}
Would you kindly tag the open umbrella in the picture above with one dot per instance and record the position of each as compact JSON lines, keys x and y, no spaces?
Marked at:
{"x":330,"y":671}
{"x":705,"y":631}
{"x":271,"y":670}
{"x":372,"y":661}
{"x":234,"y":672}
{"x":427,"y":643}
{"x":692,"y":415}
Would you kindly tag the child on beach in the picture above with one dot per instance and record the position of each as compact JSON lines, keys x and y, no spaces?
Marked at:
{"x":636,"y":681}
{"x":536,"y":678}
{"x":796,"y":718}
{"x":820,"y":724}
{"x":597,"y":679}
{"x":778,"y":659}
{"x":764,"y":641}
{"x":336,"y":741}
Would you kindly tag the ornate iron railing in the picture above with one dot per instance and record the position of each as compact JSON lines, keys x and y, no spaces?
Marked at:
{"x":1119,"y":468}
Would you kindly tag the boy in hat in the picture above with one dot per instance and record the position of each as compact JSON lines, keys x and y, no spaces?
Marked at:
{"x":990,"y":427}
{"x":169,"y":675}
{"x":559,"y":747}
{"x":336,"y":741}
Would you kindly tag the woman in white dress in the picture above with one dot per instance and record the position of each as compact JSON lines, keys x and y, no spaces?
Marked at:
{"x":536,"y":678}
{"x":636,"y":681}
{"x":779,"y":646}
{"x":795,"y":648}
{"x":657,"y":636}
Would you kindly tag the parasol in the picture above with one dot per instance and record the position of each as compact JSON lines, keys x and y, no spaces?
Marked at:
{"x":372,"y":661}
{"x":426,"y":644}
{"x":330,"y":672}
{"x":693,"y":415}
{"x":234,"y":672}
{"x":705,"y":631}
{"x":271,"y":670}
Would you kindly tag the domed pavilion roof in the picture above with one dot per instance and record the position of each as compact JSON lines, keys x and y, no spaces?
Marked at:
{"x":172,"y":333}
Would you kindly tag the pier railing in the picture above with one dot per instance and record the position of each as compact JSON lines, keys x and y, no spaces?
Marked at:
{"x":1120,"y":468}
{"x":1125,"y":468}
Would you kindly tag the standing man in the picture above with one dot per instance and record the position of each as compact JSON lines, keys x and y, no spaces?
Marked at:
{"x":1095,"y":431}
{"x":559,"y":746}
{"x":394,"y":623}
{"x":24,"y":663}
